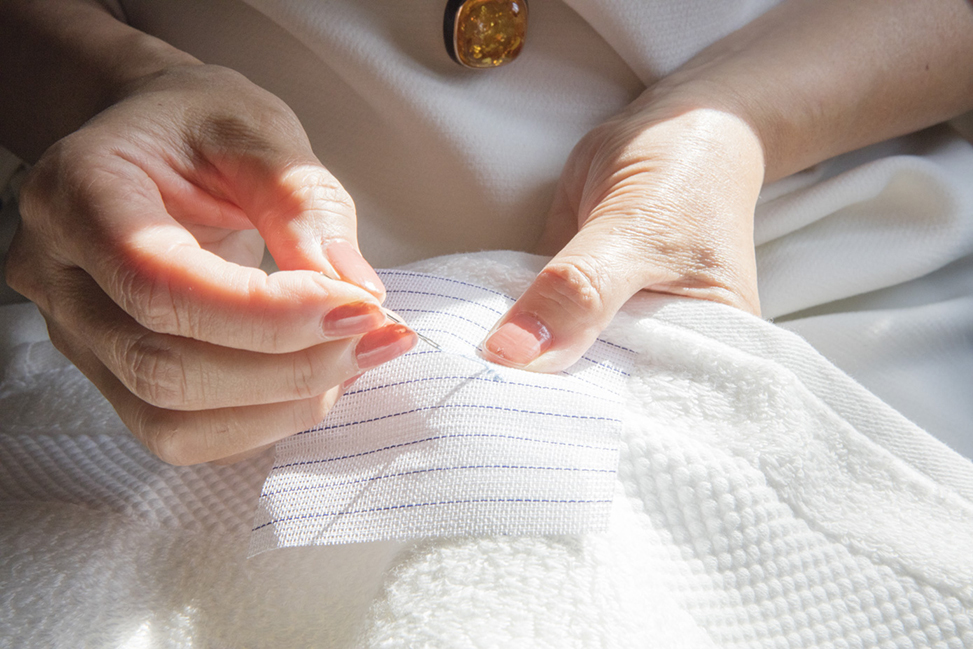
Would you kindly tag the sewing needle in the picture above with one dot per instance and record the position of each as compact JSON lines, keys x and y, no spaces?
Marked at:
{"x":388,"y":314}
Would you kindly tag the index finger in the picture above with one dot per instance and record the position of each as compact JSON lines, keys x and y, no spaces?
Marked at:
{"x":157,"y":272}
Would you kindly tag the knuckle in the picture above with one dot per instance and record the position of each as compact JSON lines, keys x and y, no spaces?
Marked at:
{"x":19,"y":271}
{"x":64,"y":179}
{"x":309,"y":191}
{"x":260,"y":132}
{"x":739,"y":298}
{"x":700,"y":267}
{"x":226,"y":132}
{"x":212,"y":437}
{"x":147,"y":299}
{"x":327,"y":194}
{"x":162,"y":433}
{"x":306,"y":370}
{"x":281,"y":119}
{"x":42,"y":184}
{"x":35,"y":192}
{"x":313,"y":411}
{"x":574,"y":285}
{"x":154,"y":371}
{"x":58,"y":337}
{"x":263,"y":303}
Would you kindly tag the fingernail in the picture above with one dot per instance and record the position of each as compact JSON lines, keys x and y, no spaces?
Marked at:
{"x":519,"y":341}
{"x":381,"y":346}
{"x":353,"y":268}
{"x":353,"y":319}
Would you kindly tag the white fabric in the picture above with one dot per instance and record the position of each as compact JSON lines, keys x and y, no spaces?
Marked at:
{"x":441,"y":443}
{"x":870,"y":257}
{"x":762,"y":499}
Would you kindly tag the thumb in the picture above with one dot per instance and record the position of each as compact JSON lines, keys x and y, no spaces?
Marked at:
{"x":664,"y":205}
{"x":610,"y":259}
{"x":569,"y":303}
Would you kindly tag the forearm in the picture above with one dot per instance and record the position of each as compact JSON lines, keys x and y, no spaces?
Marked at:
{"x":817,"y":78}
{"x":63,"y":62}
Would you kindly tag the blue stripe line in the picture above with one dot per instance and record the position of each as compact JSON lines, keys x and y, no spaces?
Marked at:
{"x":448,"y":297}
{"x":467,"y":284}
{"x":466,"y":378}
{"x":418,"y":351}
{"x":601,"y":364}
{"x":408,"y":273}
{"x":460,"y":405}
{"x":440,"y":313}
{"x":610,"y":344}
{"x":427,"y":330}
{"x":291,"y":519}
{"x":332,"y":485}
{"x":433,"y":438}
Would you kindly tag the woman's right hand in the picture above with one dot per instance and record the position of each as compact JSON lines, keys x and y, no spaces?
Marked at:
{"x":139,"y":239}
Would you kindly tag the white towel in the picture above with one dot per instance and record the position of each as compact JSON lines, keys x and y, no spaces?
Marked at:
{"x":763,"y":499}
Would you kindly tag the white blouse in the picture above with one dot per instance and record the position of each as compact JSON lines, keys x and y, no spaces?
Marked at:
{"x":438,"y":158}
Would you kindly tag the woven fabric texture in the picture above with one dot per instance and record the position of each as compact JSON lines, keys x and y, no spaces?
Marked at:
{"x":441,"y":443}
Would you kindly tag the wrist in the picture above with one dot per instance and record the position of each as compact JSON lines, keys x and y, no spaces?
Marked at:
{"x":818,"y":78}
{"x":64,"y":62}
{"x":144,"y":58}
{"x":717,"y":114}
{"x":708,"y":87}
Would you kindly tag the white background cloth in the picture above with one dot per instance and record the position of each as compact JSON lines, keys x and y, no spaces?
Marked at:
{"x":870,"y":257}
{"x":763,"y":499}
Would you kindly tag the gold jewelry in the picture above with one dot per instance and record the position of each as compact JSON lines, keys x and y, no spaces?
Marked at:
{"x":484,"y":33}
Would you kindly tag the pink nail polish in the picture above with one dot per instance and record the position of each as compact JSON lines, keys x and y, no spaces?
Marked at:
{"x":519,"y":341}
{"x":381,"y":346}
{"x":353,"y":268}
{"x":353,"y":319}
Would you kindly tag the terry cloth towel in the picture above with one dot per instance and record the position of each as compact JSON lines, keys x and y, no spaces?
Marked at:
{"x":763,"y":499}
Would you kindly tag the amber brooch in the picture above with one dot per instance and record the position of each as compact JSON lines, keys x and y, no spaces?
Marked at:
{"x":484,"y":33}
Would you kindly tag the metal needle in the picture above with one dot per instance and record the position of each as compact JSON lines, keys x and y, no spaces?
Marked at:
{"x":388,"y":314}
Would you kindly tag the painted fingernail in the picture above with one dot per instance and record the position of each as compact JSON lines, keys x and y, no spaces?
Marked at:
{"x":353,"y":319}
{"x":353,"y":268}
{"x":381,"y":346}
{"x":519,"y":340}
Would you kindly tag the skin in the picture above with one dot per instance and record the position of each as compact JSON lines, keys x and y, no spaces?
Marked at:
{"x":142,"y":224}
{"x":661,"y":197}
{"x":155,"y":173}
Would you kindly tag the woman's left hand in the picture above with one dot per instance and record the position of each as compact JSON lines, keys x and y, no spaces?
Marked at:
{"x":660,"y":198}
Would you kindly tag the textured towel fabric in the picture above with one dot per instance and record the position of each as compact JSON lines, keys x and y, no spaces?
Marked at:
{"x":441,"y":443}
{"x":763,"y":499}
